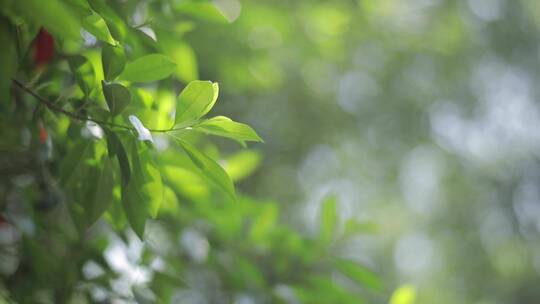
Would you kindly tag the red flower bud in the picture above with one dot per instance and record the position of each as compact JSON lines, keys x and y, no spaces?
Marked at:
{"x":43,"y":47}
{"x":43,"y":135}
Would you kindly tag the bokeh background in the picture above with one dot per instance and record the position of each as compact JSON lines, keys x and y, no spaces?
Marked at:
{"x":421,"y":115}
{"x":422,"y":118}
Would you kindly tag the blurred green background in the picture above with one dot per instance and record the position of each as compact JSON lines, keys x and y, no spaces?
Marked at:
{"x":420,"y":116}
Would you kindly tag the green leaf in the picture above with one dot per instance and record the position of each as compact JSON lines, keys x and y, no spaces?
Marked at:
{"x":405,"y":294}
{"x":264,"y":223}
{"x":113,"y":61}
{"x":96,"y":26}
{"x":55,"y":16}
{"x":116,"y":148}
{"x":116,"y":24}
{"x":71,"y":161}
{"x":144,"y":193}
{"x":242,"y":164}
{"x":170,"y":201}
{"x":133,"y":199}
{"x":353,"y":227}
{"x":209,"y":168}
{"x":187,"y":69}
{"x":152,"y":186}
{"x":149,"y":68}
{"x":83,"y":72}
{"x":329,"y":220}
{"x":133,"y":203}
{"x":117,"y":97}
{"x":224,"y":126}
{"x":9,"y":59}
{"x":115,"y":214}
{"x":358,"y":273}
{"x":196,"y":188}
{"x":194,"y":101}
{"x":84,"y":193}
{"x":202,"y":10}
{"x":327,"y":291}
{"x":103,"y":193}
{"x":209,"y":107}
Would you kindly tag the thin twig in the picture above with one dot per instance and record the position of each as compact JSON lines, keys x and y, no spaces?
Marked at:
{"x":58,"y":109}
{"x":145,"y":23}
{"x":53,"y":107}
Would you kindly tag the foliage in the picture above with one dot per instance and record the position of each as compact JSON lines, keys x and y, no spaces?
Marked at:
{"x":110,"y":188}
{"x":416,"y":120}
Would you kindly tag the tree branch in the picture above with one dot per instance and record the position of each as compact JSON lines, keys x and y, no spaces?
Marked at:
{"x":51,"y":106}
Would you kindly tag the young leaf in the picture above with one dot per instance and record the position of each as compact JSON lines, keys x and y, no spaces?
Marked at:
{"x":96,"y":26}
{"x":149,"y":68}
{"x":83,"y":72}
{"x":358,"y":273}
{"x":144,"y":133}
{"x":116,"y":24}
{"x":117,"y":97}
{"x":193,"y":101}
{"x":209,"y":107}
{"x":209,"y":168}
{"x":113,"y":61}
{"x":329,"y":220}
{"x":223,"y":126}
